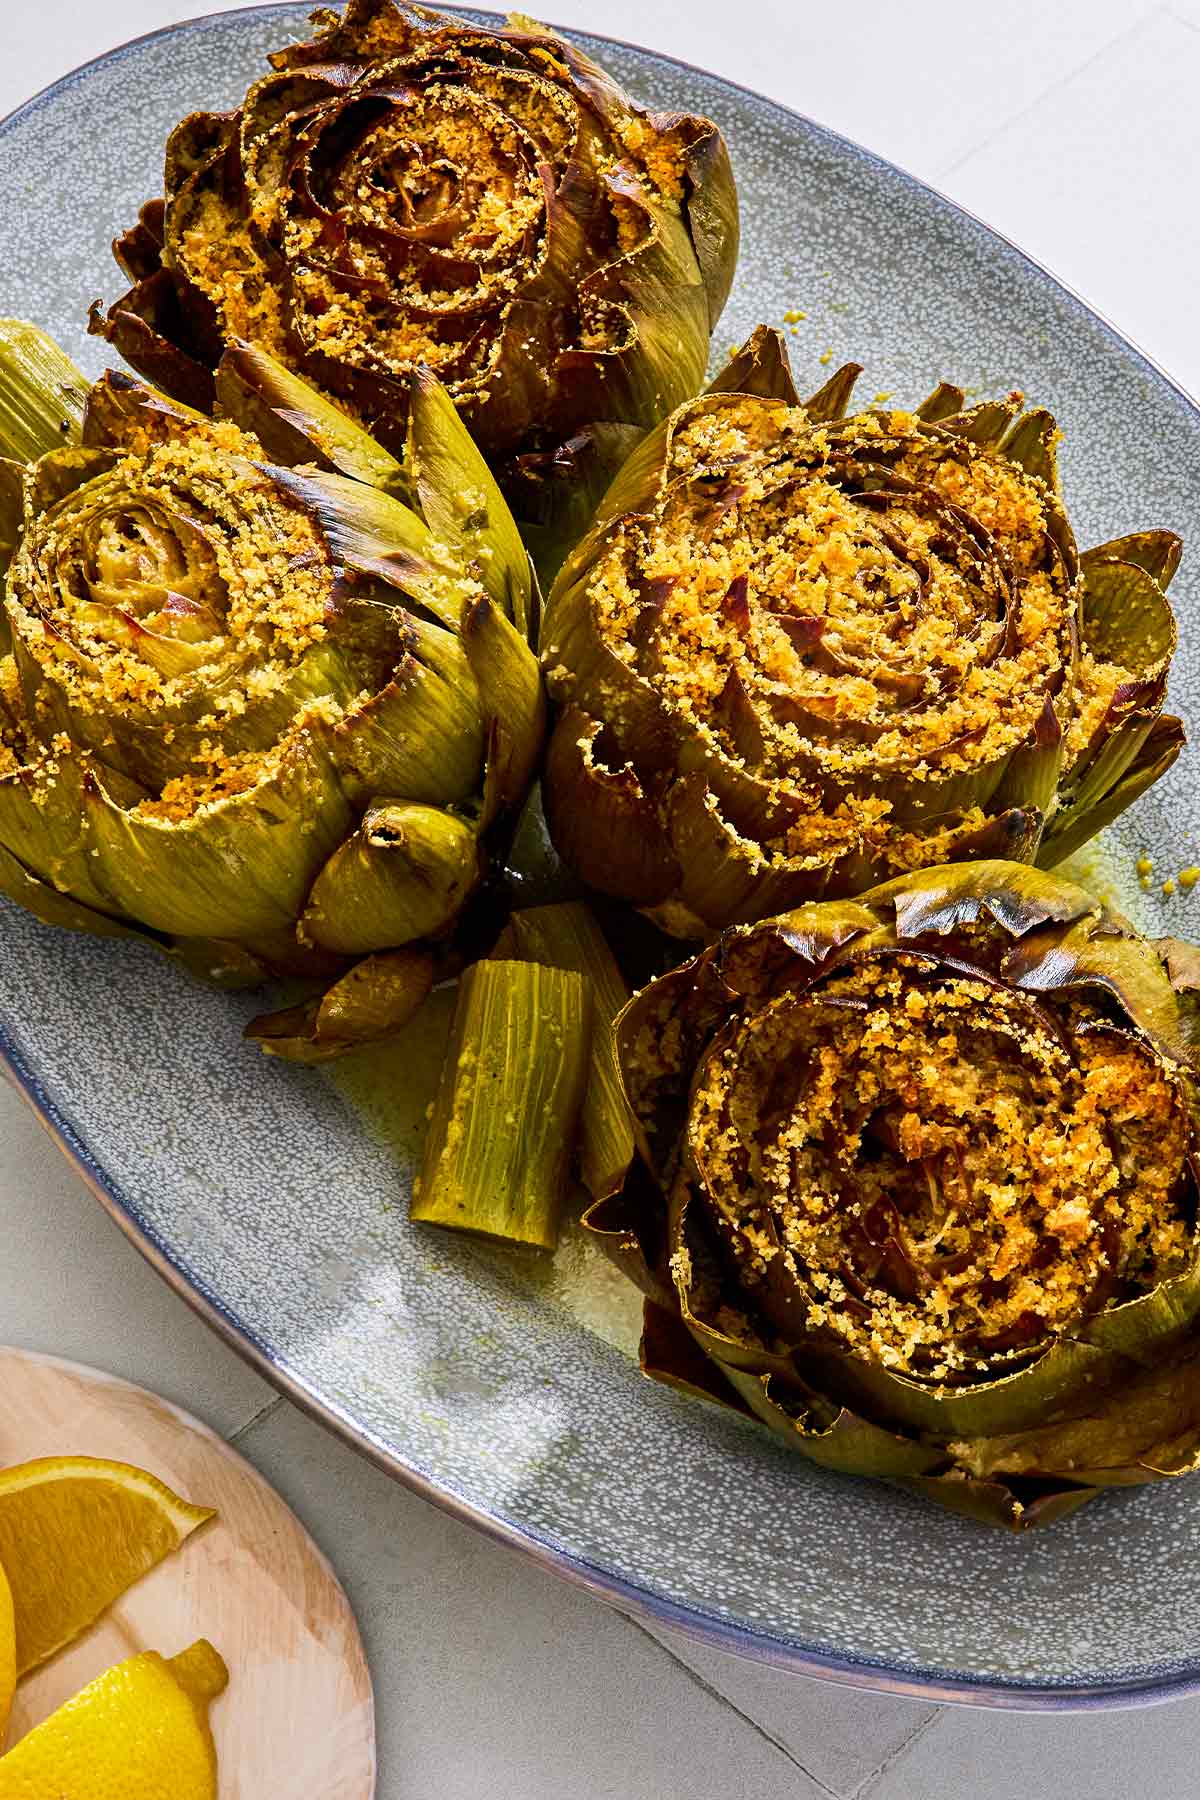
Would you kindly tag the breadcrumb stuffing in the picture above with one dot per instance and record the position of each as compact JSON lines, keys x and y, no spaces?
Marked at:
{"x":935,"y":1171}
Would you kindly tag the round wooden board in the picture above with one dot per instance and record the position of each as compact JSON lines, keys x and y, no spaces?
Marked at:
{"x":297,"y":1721}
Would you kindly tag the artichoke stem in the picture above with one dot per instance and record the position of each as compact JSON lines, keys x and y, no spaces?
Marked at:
{"x":499,"y":1146}
{"x":566,"y":936}
{"x":42,"y":393}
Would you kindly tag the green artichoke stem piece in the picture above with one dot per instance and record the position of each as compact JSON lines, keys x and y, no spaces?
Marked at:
{"x":566,"y":936}
{"x":403,"y":874}
{"x":42,"y":393}
{"x":499,"y":1145}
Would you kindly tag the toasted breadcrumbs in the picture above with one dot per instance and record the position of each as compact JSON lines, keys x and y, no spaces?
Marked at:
{"x":815,"y":602}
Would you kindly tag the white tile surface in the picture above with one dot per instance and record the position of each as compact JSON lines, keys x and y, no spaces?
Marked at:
{"x":1074,"y":128}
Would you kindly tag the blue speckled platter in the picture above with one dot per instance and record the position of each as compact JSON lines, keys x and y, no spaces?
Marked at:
{"x":274,"y":1198}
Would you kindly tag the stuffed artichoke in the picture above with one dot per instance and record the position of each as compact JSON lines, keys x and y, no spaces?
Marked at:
{"x":799,"y":652}
{"x":408,"y":188}
{"x":271,"y":718}
{"x":918,"y":1187}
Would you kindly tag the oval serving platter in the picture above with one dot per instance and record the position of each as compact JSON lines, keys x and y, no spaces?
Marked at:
{"x":274,"y":1199}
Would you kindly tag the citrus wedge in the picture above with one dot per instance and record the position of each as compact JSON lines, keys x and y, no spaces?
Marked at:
{"x":74,"y":1534}
{"x":8,"y":1654}
{"x":138,"y":1733}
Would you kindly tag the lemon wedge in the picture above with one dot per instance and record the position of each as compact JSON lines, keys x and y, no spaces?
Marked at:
{"x":8,"y":1654}
{"x":75,"y":1532}
{"x":138,"y":1733}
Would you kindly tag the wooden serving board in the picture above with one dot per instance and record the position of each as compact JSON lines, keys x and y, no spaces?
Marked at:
{"x":297,"y":1721}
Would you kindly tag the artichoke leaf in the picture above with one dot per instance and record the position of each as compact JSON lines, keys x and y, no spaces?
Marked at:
{"x":1127,"y":617}
{"x":1032,"y":442}
{"x":1158,"y":552}
{"x":295,"y":423}
{"x":404,"y":874}
{"x":512,"y":702}
{"x":42,"y":393}
{"x":421,"y":734}
{"x":669,"y":1353}
{"x":832,"y":400}
{"x":233,"y":867}
{"x":942,"y":403}
{"x":1075,"y":825}
{"x":760,"y":366}
{"x":368,"y":1004}
{"x":994,"y":1502}
{"x":12,"y":514}
{"x":43,"y":824}
{"x":628,"y":1227}
{"x":374,"y":534}
{"x":1017,"y":898}
{"x":52,"y":907}
{"x":1096,"y":952}
{"x":461,"y":503}
{"x":601,"y":817}
{"x":846,"y":1442}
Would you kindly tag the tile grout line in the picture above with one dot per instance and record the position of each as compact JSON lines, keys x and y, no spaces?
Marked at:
{"x":893,"y":1756}
{"x":264,"y":1412}
{"x":1064,"y":80}
{"x":706,"y":1687}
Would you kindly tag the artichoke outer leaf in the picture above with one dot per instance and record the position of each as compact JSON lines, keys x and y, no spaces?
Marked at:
{"x":404,"y":874}
{"x":942,"y":403}
{"x":512,"y":701}
{"x":43,"y":824}
{"x":832,"y":400}
{"x":605,"y":824}
{"x":141,"y":326}
{"x":1158,"y":552}
{"x":53,"y":907}
{"x":1018,"y":898}
{"x":122,"y":413}
{"x":994,"y":1502}
{"x":1127,"y":617}
{"x":461,"y":503}
{"x":1097,"y":952}
{"x":12,"y":522}
{"x":628,"y":1227}
{"x":1075,"y":825}
{"x":761,"y":366}
{"x":297,"y":424}
{"x":374,"y":534}
{"x":42,"y":393}
{"x":368,"y":1004}
{"x":235,"y":867}
{"x":669,"y":1353}
{"x":711,"y":205}
{"x":422,"y":734}
{"x":1032,"y":442}
{"x":847,"y":1442}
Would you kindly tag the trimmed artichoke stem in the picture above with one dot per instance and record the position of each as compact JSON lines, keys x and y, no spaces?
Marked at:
{"x":42,"y":393}
{"x":499,"y":1144}
{"x":566,"y":936}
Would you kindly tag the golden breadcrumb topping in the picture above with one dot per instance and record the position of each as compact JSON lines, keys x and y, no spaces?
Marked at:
{"x":817,"y":601}
{"x":935,"y":1169}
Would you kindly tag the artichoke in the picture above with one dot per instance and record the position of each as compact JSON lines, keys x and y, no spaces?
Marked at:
{"x":917,"y":1186}
{"x":408,"y":188}
{"x":799,"y":652}
{"x":273,"y":719}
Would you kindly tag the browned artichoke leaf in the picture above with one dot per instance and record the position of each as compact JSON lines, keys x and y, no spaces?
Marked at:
{"x":630,"y":1228}
{"x":1133,"y":1431}
{"x":1075,"y":825}
{"x":1100,"y":951}
{"x":296,"y":424}
{"x":1182,"y":962}
{"x":942,"y":403}
{"x":754,"y":958}
{"x":146,"y":327}
{"x":373,"y":533}
{"x":986,"y":423}
{"x":218,"y":963}
{"x":761,"y":366}
{"x":996,"y":1503}
{"x":12,"y":508}
{"x":711,"y":204}
{"x":1158,"y":552}
{"x":606,"y":826}
{"x":1019,"y":898}
{"x":669,"y":1353}
{"x":832,"y":1436}
{"x":371,"y":1002}
{"x":555,"y":493}
{"x":121,"y":414}
{"x":832,"y":399}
